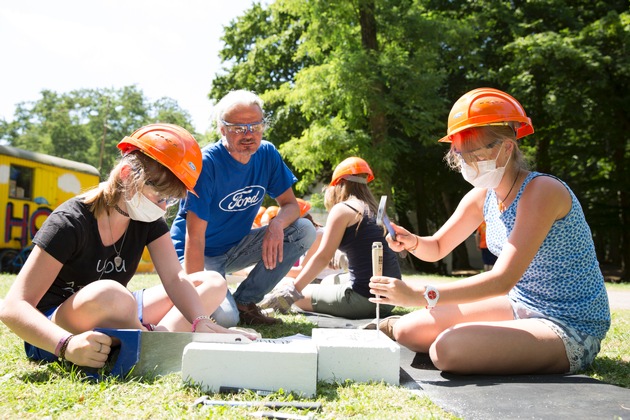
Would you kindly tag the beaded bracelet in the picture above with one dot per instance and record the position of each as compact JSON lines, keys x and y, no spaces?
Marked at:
{"x":59,"y":344}
{"x":199,"y":318}
{"x":62,"y":345}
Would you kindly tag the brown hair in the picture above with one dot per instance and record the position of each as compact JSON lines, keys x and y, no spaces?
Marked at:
{"x":346,"y":189}
{"x":308,"y":217}
{"x":143,"y":170}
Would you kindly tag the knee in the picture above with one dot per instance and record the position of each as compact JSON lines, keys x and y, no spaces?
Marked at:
{"x":405,"y":332}
{"x":226,"y":315}
{"x":447,"y":352}
{"x":210,"y":281}
{"x":227,"y":319}
{"x":109,"y":299}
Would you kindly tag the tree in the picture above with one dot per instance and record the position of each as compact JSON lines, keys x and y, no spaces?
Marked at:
{"x":571,"y":74}
{"x":86,"y":125}
{"x":355,"y":93}
{"x":350,"y":85}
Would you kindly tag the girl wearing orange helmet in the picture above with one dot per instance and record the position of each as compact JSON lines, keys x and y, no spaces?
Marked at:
{"x":88,"y":250}
{"x":337,"y":266}
{"x":543,"y":307}
{"x":350,"y":227}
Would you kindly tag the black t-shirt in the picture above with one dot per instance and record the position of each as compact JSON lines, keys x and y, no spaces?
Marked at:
{"x":70,"y":235}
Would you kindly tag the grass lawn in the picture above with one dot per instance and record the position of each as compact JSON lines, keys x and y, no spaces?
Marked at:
{"x":30,"y":390}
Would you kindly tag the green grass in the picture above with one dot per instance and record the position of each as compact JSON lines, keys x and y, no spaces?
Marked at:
{"x":619,"y":287}
{"x":31,"y":390}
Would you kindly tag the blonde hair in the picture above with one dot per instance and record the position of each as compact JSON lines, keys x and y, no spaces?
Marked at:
{"x":143,"y":170}
{"x":480,"y":137}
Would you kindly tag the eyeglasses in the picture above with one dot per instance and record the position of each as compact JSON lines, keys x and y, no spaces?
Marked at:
{"x":479,"y":154}
{"x":257,"y":127}
{"x":170,"y":201}
{"x":159,"y":198}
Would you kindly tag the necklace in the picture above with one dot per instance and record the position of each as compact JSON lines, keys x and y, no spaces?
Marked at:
{"x":121,"y":211}
{"x":500,"y":204}
{"x":117,"y":258}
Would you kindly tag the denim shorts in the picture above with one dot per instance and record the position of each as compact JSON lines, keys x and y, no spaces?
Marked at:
{"x":580,"y":347}
{"x":37,"y":354}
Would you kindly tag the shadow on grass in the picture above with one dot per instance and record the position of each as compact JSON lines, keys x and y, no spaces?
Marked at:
{"x":292,"y":324}
{"x":50,"y":371}
{"x":611,"y":371}
{"x":329,"y":391}
{"x":47,"y":372}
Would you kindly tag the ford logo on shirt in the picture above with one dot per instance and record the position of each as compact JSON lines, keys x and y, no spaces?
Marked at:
{"x":243,"y":199}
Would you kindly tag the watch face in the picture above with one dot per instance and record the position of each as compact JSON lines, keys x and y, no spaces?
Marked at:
{"x":431,"y":294}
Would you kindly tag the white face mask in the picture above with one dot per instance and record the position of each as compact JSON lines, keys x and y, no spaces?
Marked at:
{"x":487,"y":175}
{"x":142,"y":209}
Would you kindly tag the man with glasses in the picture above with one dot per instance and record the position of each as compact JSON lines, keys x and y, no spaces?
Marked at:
{"x":213,"y":230}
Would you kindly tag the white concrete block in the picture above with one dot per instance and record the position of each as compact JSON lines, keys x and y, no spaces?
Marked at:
{"x":359,"y":355}
{"x":267,"y":365}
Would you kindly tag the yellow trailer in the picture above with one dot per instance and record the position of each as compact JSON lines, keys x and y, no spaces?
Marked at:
{"x":32,"y":185}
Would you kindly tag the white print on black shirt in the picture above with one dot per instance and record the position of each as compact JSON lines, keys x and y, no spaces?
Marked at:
{"x":70,"y":289}
{"x":109,"y":266}
{"x":106,"y":268}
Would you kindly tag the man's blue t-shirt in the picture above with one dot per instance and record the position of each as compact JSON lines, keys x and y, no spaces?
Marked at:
{"x":230,"y":195}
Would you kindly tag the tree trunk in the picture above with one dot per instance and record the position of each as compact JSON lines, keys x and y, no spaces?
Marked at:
{"x":623,"y":197}
{"x":377,"y":116}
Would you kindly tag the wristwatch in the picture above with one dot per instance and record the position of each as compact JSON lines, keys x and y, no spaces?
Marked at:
{"x":431,"y":294}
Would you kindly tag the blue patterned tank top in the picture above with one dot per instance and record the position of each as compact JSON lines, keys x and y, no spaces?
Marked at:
{"x":564,"y":280}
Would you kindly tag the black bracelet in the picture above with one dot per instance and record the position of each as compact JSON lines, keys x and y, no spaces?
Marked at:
{"x":64,"y":346}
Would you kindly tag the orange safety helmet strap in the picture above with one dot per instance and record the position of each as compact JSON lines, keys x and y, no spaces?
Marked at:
{"x":487,"y":106}
{"x":350,"y":167}
{"x":172,"y":146}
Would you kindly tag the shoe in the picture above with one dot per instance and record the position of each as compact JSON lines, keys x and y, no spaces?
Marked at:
{"x":386,"y":326}
{"x":281,"y":299}
{"x":250,"y":314}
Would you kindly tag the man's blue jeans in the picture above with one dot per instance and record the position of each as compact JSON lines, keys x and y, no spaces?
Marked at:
{"x":298,"y":238}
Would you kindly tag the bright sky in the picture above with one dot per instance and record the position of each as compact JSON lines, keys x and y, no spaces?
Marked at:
{"x":165,"y":47}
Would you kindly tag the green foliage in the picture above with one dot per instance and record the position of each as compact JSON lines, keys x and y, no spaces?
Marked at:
{"x":575,"y":81}
{"x":86,"y":125}
{"x":359,"y":78}
{"x":376,"y":78}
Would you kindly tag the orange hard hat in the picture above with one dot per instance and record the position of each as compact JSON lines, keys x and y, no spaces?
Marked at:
{"x":261,"y":211}
{"x":487,"y":106}
{"x":305,"y":206}
{"x":349,"y":167}
{"x":172,"y":146}
{"x":270,"y":213}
